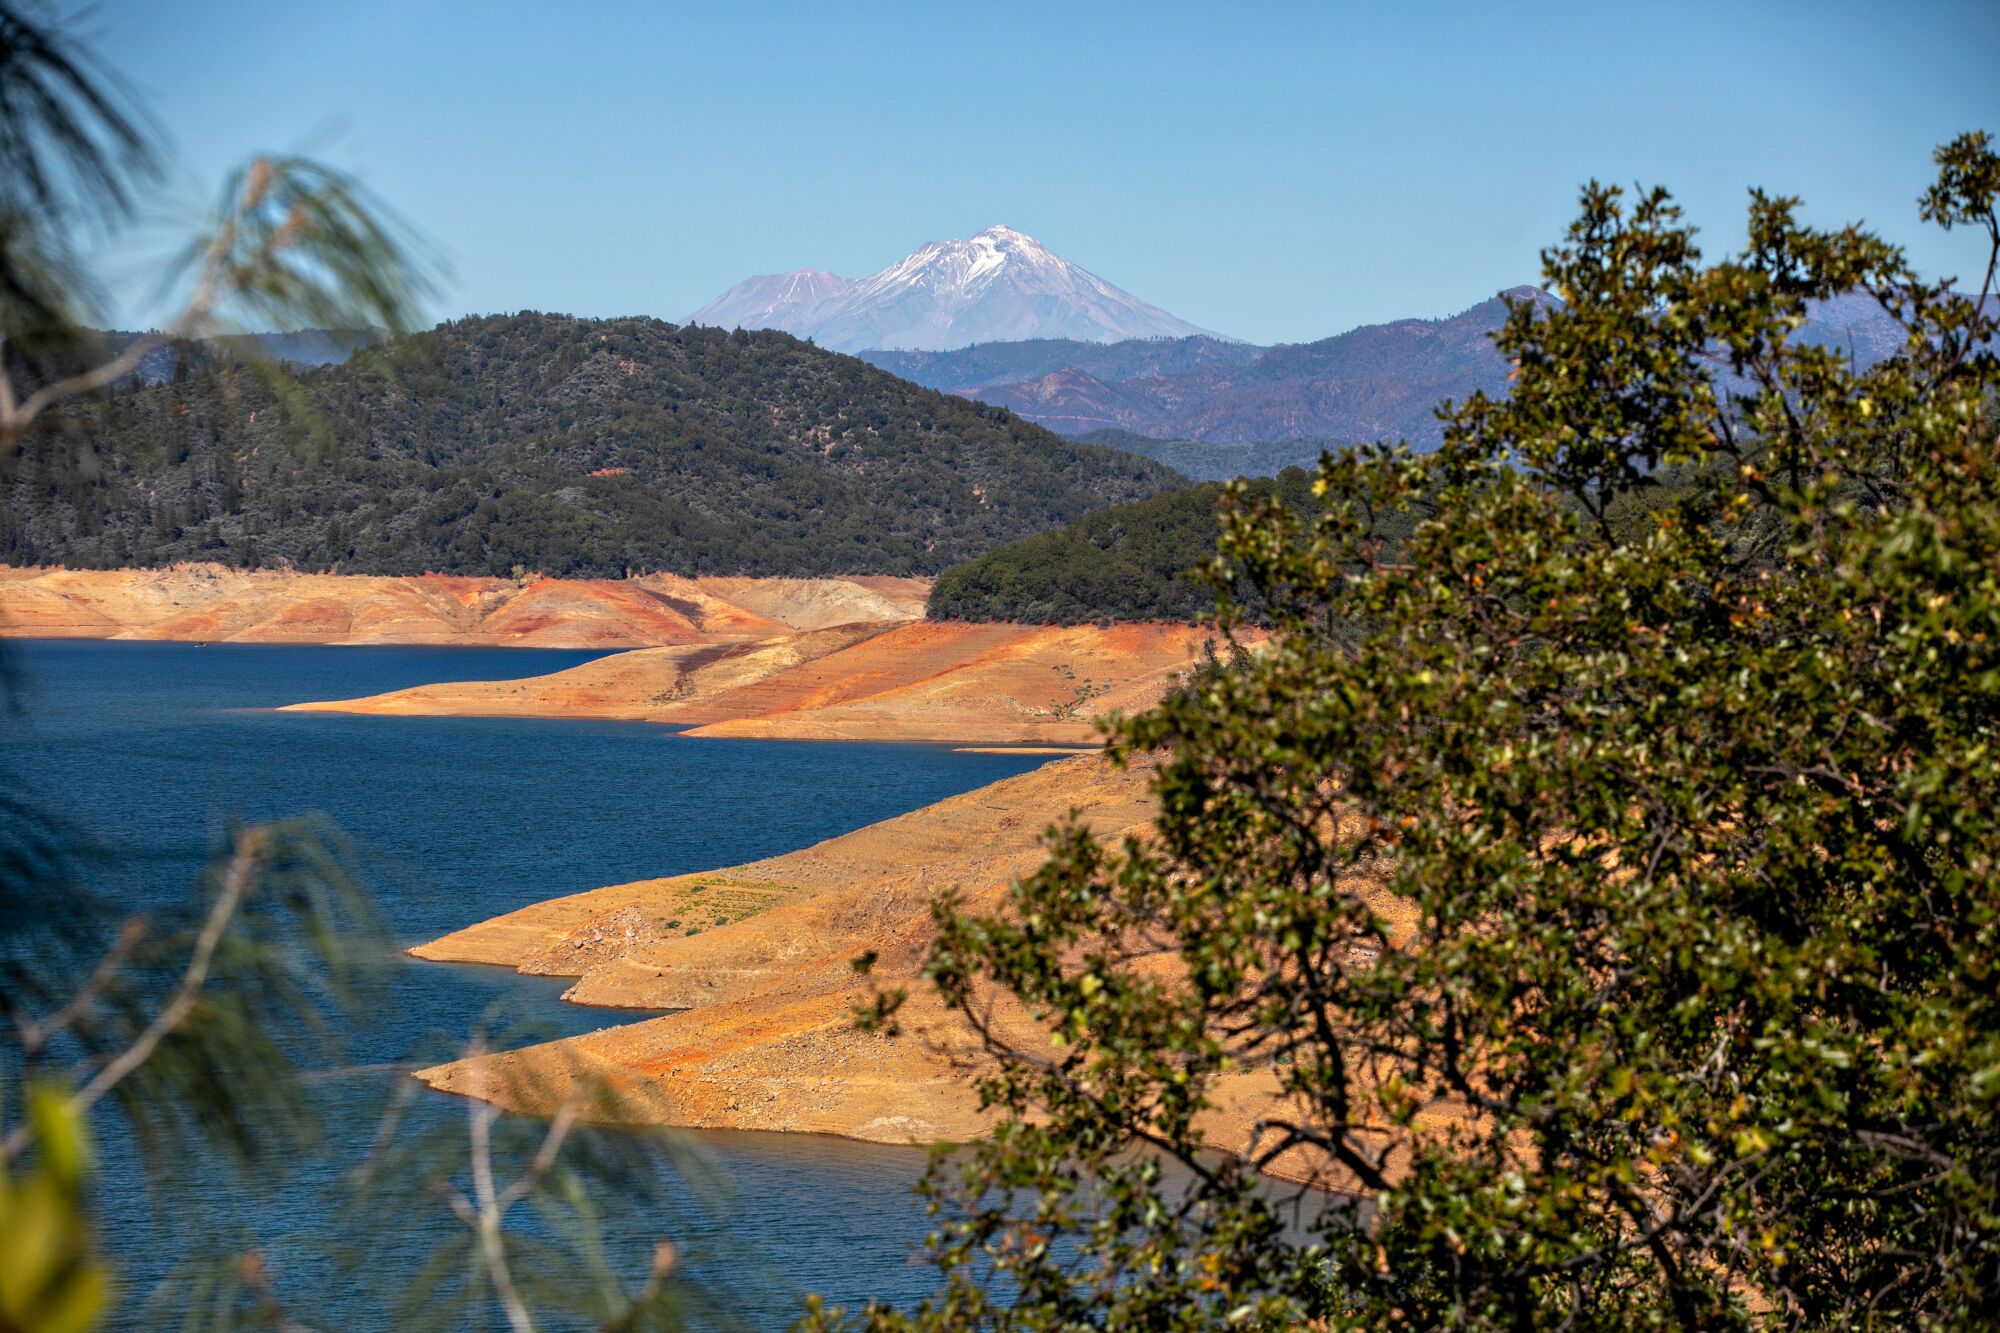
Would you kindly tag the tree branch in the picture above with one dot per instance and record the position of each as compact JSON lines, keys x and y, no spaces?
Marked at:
{"x":237,"y":880}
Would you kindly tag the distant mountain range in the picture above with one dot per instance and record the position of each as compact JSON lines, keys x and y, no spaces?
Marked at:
{"x":1377,"y":381}
{"x":1380,"y":381}
{"x":996,"y":286}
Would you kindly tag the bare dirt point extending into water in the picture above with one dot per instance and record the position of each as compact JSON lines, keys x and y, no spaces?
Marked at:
{"x":208,"y":603}
{"x":782,"y":658}
{"x":1022,"y":749}
{"x":966,"y":684}
{"x":758,"y":958}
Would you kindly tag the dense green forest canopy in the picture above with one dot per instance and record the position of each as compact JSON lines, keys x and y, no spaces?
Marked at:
{"x":1130,"y":562}
{"x":569,"y":446}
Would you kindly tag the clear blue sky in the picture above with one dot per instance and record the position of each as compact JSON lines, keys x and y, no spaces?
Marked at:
{"x":1275,"y":171}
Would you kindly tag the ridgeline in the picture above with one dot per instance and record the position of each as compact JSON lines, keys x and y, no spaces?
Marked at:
{"x":569,"y":446}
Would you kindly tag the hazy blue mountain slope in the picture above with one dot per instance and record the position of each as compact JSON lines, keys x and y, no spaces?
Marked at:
{"x":1380,"y":381}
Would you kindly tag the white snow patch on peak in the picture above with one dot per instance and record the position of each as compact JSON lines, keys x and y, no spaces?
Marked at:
{"x":988,"y":253}
{"x":997,"y":285}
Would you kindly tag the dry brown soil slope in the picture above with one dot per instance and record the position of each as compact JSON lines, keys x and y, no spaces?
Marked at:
{"x":758,"y":959}
{"x":682,"y":684}
{"x":759,"y":955}
{"x":973,"y":684}
{"x":823,"y":603}
{"x":214,"y":604}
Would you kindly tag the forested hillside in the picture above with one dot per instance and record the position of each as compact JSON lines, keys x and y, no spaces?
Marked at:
{"x":569,"y":446}
{"x":1129,"y":562}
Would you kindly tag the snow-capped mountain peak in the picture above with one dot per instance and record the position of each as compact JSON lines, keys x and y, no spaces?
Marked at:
{"x":999,"y":284}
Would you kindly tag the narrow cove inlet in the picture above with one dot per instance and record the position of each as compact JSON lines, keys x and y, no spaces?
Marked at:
{"x":149,"y":750}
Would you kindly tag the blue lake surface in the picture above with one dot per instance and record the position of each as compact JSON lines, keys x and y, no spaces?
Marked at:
{"x":150,"y":750}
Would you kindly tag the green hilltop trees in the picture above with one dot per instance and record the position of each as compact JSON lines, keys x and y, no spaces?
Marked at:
{"x":1613,"y":897}
{"x":575,"y":447}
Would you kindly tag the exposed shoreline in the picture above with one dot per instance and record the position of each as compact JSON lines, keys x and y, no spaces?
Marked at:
{"x":753,"y":961}
{"x":1009,"y":686}
{"x":211,"y":603}
{"x":762,"y":1037}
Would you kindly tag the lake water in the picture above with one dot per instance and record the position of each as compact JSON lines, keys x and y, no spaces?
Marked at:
{"x":150,"y":749}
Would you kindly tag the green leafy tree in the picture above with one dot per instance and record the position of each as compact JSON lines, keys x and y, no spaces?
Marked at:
{"x":1599,"y":883}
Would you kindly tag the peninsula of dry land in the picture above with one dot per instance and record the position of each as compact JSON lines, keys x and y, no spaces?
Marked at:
{"x":757,"y":959}
{"x":872,"y":680}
